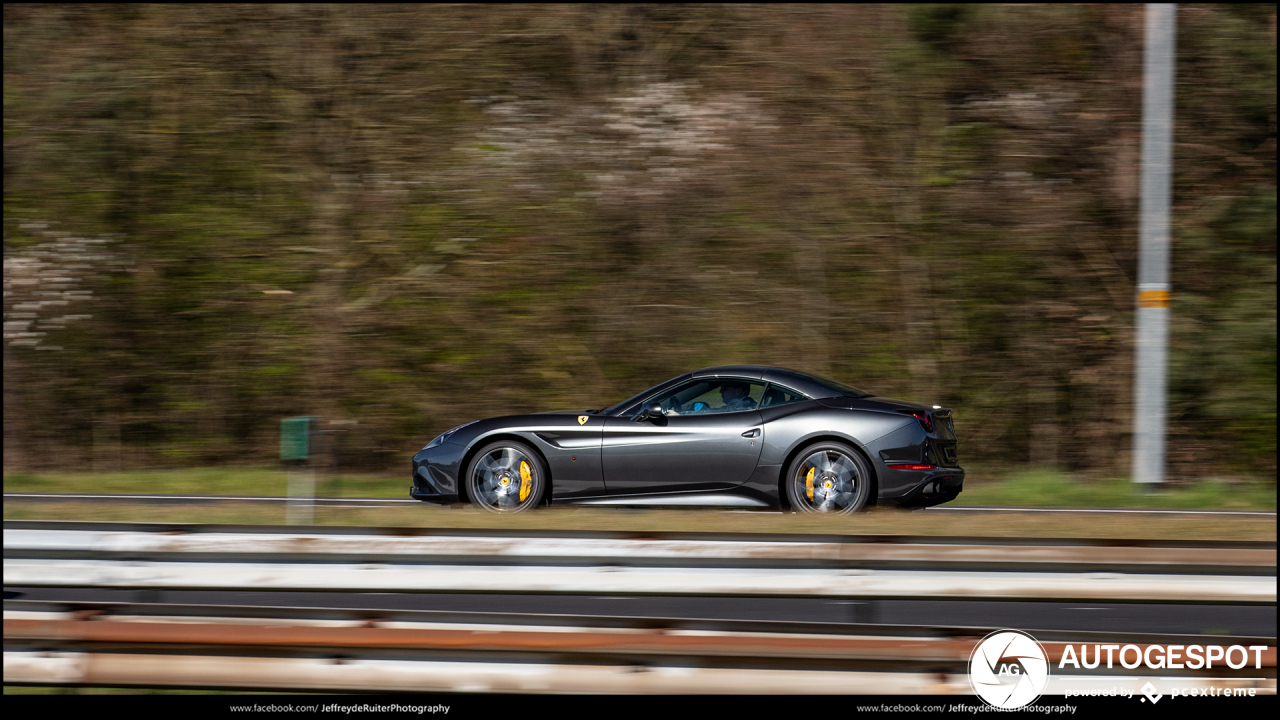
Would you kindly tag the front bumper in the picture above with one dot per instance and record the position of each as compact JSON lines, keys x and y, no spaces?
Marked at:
{"x":435,"y":474}
{"x":418,"y":493}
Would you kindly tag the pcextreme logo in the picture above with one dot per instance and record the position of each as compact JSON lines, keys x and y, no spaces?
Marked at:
{"x":1008,"y":669}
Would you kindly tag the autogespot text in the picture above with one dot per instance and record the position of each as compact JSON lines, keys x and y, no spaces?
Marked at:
{"x":1160,"y":657}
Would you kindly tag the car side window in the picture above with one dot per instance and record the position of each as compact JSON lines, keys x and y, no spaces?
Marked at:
{"x":777,"y":395}
{"x":711,"y":395}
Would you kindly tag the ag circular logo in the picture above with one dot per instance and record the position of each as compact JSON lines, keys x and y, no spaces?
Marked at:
{"x":1008,"y":669}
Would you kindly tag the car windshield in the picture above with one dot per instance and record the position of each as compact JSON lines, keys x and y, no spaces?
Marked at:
{"x":615,"y":408}
{"x":636,"y":398}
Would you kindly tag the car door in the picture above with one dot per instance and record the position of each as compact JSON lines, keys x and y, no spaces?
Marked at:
{"x":701,"y":442}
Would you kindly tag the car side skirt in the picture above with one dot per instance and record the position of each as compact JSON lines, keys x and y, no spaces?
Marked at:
{"x":714,"y":499}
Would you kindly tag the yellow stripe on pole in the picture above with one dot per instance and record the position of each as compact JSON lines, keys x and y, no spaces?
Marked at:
{"x":1153,"y":299}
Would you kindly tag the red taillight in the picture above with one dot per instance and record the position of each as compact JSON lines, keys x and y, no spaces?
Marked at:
{"x":910,"y":466}
{"x":926,"y":422}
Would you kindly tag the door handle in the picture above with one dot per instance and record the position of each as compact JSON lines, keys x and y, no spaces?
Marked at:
{"x":752,"y":433}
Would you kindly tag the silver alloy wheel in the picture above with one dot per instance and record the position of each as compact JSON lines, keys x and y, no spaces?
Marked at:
{"x":505,"y":477}
{"x":828,"y":478}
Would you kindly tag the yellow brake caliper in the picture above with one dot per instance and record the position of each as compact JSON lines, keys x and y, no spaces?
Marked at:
{"x":808,"y":484}
{"x":526,"y":480}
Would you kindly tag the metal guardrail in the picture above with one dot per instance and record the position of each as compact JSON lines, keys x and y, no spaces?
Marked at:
{"x":348,"y":616}
{"x":105,"y":544}
{"x":113,"y":644}
{"x":258,"y":561}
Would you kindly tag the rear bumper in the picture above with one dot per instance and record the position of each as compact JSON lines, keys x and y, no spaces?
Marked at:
{"x":934,"y":488}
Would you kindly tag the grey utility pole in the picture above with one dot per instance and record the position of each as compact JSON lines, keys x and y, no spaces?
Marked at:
{"x":1151,"y":363}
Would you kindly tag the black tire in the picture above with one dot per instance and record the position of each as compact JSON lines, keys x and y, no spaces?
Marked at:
{"x":496,"y":477}
{"x":828,"y":477}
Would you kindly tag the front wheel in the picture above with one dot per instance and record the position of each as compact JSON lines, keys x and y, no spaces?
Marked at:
{"x":828,"y":478}
{"x":506,"y":477}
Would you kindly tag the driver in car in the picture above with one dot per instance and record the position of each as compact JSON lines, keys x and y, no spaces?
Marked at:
{"x":735,"y":397}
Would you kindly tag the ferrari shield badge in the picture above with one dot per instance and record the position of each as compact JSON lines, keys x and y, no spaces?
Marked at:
{"x":582,"y":419}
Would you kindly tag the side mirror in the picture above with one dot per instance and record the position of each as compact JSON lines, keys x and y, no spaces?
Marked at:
{"x":650,"y":411}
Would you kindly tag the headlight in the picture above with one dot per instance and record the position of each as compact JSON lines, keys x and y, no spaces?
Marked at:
{"x":445,"y":435}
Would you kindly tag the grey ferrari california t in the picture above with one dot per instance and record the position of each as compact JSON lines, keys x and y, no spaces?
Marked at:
{"x":736,"y":436}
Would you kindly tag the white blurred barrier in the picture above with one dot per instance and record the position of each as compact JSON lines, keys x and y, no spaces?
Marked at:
{"x":610,"y":580}
{"x":104,"y":544}
{"x":275,"y":561}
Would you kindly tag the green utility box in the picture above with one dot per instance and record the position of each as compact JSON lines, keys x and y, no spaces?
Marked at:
{"x":295,"y":437}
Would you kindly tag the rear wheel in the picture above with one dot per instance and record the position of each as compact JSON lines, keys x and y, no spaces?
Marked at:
{"x":506,"y":477}
{"x":828,"y":477}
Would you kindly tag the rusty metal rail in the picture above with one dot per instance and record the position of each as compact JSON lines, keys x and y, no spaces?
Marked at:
{"x":372,"y":635}
{"x":375,"y":636}
{"x":100,"y":648}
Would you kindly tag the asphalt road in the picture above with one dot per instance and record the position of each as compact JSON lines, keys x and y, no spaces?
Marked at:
{"x":1238,"y":620}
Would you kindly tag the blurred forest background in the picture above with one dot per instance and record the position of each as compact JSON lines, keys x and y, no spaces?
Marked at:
{"x":406,"y":217}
